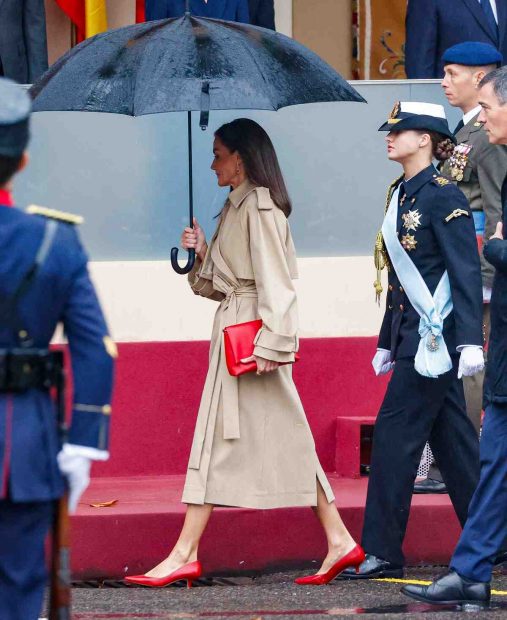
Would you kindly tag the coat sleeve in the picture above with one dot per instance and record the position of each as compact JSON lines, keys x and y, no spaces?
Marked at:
{"x":384,"y":339}
{"x":495,"y":251}
{"x":34,"y":26}
{"x":270,"y":241}
{"x":421,"y":27}
{"x":92,"y":355}
{"x":458,"y":243}
{"x":242,"y":12}
{"x":491,"y":167}
{"x":200,"y":279}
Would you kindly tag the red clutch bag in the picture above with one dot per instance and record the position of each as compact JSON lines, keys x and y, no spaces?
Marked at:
{"x":239,"y":344}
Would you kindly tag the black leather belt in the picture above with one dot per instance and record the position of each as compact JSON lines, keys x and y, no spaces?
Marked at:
{"x":24,"y":369}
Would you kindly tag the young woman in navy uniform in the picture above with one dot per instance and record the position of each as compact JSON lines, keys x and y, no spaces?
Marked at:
{"x":430,"y":337}
{"x":43,"y":281}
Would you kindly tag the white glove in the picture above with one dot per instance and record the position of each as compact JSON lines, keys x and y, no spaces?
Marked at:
{"x":471,"y":361}
{"x":382,"y":362}
{"x":74,"y":463}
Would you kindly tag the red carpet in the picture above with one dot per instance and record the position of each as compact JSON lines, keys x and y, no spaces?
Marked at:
{"x":157,"y":395}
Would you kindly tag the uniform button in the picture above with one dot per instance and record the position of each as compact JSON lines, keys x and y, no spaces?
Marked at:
{"x":401,"y":289}
{"x":390,"y":287}
{"x":402,"y":307}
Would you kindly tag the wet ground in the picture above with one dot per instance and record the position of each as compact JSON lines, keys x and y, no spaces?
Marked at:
{"x":271,"y":597}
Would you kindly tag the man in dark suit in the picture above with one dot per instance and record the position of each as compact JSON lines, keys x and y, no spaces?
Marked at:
{"x":230,"y":10}
{"x":262,"y":13}
{"x":469,"y":577}
{"x":23,"y":41}
{"x":432,"y":26}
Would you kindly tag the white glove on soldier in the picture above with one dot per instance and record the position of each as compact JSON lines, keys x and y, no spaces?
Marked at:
{"x":74,"y":463}
{"x":382,"y":362}
{"x":471,"y":361}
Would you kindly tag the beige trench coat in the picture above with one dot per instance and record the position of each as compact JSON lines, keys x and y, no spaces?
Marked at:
{"x":252,"y":446}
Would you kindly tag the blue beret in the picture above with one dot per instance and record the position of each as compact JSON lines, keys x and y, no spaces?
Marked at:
{"x":472,"y":54}
{"x":15,"y":108}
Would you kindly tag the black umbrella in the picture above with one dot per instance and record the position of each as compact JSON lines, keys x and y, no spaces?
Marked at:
{"x":188,"y":64}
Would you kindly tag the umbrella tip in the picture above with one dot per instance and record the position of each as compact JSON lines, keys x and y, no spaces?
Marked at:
{"x":187,"y":7}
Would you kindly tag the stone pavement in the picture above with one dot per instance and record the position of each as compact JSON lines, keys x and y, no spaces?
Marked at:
{"x":270,"y":597}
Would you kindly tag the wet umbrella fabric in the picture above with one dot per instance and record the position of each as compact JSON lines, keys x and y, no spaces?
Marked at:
{"x":188,"y":64}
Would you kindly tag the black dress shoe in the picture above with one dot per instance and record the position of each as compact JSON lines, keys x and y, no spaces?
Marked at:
{"x":451,"y":589}
{"x":373,"y":568}
{"x":428,"y":485}
{"x":501,"y":558}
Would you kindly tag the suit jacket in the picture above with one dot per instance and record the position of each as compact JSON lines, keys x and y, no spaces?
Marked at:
{"x":262,"y":13}
{"x":482,"y":181}
{"x":230,"y":10}
{"x":439,"y":246}
{"x":23,"y":42}
{"x":61,"y":292}
{"x":432,"y":26}
{"x":495,"y":252}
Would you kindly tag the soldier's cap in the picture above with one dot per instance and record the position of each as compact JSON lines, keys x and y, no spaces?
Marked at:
{"x":408,"y":115}
{"x":472,"y":54}
{"x":15,"y":108}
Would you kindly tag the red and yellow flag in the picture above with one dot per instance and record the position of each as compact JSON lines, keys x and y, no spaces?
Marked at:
{"x":89,"y":16}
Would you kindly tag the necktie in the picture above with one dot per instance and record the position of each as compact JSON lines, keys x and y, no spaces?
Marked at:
{"x":459,"y":126}
{"x":490,"y":17}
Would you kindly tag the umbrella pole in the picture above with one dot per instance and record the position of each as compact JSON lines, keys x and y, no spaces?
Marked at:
{"x":174,"y":251}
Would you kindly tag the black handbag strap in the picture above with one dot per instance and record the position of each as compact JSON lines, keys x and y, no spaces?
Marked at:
{"x":9,"y":307}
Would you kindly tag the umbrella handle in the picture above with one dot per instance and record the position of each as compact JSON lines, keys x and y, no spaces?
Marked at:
{"x":188,"y":266}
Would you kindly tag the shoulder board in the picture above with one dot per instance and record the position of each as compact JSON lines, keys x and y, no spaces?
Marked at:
{"x":61,"y":216}
{"x":442,"y":181}
{"x":264,"y":202}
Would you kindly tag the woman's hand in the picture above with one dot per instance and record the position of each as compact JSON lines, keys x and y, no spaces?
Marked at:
{"x":263,"y":365}
{"x":194,"y":238}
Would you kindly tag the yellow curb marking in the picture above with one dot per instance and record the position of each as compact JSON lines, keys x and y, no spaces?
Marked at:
{"x":418,"y":582}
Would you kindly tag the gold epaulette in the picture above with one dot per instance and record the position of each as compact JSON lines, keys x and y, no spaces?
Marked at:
{"x":442,"y":181}
{"x":61,"y":216}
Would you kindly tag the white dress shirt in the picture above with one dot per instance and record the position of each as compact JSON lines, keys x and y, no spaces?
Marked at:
{"x":470,"y":115}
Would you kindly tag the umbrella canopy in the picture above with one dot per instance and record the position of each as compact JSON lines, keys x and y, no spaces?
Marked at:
{"x":186,"y":64}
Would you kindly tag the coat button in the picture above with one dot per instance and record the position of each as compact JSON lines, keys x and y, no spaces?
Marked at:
{"x":401,"y":289}
{"x":390,"y":287}
{"x":390,"y":307}
{"x":402,"y":307}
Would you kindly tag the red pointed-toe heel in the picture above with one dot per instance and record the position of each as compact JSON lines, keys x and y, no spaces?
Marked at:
{"x":353,"y":558}
{"x":187,"y":573}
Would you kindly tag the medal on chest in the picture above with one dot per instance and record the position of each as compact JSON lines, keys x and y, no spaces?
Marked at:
{"x":411,"y":222}
{"x":458,"y":161}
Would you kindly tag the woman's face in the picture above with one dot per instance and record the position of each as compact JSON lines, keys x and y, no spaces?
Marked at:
{"x":403,"y":144}
{"x":226,"y":165}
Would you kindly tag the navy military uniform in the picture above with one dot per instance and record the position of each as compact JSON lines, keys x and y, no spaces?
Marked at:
{"x":44,"y":281}
{"x":435,"y":227}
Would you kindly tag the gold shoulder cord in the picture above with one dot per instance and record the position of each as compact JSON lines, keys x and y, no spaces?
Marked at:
{"x":380,"y":255}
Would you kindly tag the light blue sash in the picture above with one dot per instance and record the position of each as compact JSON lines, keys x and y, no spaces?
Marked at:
{"x":432,"y":357}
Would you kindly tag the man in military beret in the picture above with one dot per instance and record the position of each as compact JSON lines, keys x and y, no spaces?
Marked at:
{"x":43,"y":281}
{"x":469,"y":577}
{"x":479,"y":169}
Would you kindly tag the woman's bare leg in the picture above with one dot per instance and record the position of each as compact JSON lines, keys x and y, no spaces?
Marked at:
{"x":339,"y":541}
{"x":185,"y":550}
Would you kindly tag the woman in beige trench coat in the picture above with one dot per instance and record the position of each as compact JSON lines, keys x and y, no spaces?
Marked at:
{"x":252,"y":446}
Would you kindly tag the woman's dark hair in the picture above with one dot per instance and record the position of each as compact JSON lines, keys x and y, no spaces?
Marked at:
{"x":443,"y":147}
{"x":258,"y":154}
{"x":8,"y":167}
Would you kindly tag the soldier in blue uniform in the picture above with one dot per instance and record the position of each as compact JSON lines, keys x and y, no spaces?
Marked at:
{"x":43,"y":281}
{"x":469,"y":577}
{"x":430,"y":337}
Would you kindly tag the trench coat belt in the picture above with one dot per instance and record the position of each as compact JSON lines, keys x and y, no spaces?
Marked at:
{"x":230,"y":389}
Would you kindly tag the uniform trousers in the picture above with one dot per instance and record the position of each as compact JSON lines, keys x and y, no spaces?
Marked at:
{"x":486,"y":528}
{"x":23,"y":529}
{"x":415,"y":410}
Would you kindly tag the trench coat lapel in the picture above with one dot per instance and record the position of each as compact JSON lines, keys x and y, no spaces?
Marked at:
{"x":475,"y":8}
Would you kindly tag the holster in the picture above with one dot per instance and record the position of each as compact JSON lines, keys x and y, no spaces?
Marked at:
{"x":24,"y":369}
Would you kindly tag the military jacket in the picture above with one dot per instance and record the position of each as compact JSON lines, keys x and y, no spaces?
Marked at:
{"x":436,"y":228}
{"x":496,"y":372}
{"x":479,"y":175}
{"x":62,"y":292}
